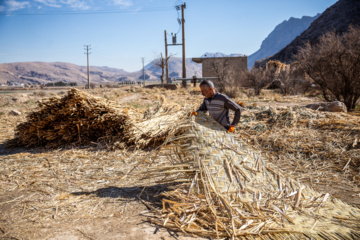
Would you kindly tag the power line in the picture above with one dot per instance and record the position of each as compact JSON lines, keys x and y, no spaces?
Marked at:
{"x":86,"y":13}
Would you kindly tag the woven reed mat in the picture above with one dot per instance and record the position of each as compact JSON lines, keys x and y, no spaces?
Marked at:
{"x":229,"y":190}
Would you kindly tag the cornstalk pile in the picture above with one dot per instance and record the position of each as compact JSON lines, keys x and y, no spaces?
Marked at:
{"x":80,"y":118}
{"x":229,"y":190}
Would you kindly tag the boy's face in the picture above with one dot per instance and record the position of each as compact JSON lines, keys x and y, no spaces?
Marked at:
{"x":206,"y":91}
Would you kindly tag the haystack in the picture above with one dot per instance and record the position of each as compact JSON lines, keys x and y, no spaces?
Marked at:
{"x":79,"y":118}
{"x":230,"y":190}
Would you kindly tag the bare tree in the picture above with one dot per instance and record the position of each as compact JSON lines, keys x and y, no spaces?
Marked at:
{"x":161,"y":63}
{"x":223,"y":70}
{"x":289,"y":78}
{"x":257,"y":79}
{"x":292,"y":81}
{"x":334,"y":64}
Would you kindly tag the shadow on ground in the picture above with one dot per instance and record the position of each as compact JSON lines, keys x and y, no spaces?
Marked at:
{"x":149,"y":194}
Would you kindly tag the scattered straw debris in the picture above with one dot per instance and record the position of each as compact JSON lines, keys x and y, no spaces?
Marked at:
{"x":230,"y":190}
{"x":311,"y":145}
{"x":220,"y":186}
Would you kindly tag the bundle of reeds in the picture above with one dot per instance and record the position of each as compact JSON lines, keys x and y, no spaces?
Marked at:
{"x":157,"y":124}
{"x":229,"y":190}
{"x":79,"y":118}
{"x":76,"y":118}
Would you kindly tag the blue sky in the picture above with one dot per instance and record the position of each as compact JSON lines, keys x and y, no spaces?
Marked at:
{"x":121,"y":32}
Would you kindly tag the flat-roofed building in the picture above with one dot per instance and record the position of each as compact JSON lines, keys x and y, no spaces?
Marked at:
{"x":214,"y":65}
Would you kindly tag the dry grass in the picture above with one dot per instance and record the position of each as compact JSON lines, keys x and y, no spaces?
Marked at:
{"x":230,"y":190}
{"x":44,"y":193}
{"x":311,"y":145}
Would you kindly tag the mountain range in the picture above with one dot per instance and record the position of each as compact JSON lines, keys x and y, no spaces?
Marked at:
{"x":337,"y":17}
{"x":44,"y":72}
{"x":280,"y":37}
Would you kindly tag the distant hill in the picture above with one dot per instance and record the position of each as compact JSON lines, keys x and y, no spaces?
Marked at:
{"x":43,"y":72}
{"x":280,"y":37}
{"x":338,"y":17}
{"x":175,"y":68}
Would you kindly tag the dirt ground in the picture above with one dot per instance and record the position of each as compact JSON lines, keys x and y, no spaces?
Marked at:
{"x":90,"y":192}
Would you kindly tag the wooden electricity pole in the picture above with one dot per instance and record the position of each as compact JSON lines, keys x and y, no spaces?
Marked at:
{"x":166,"y":59}
{"x":183,"y":6}
{"x":88,"y":67}
{"x":182,"y":21}
{"x":143,"y":61}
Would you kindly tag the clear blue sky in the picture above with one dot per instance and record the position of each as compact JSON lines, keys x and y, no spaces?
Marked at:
{"x":121,"y":32}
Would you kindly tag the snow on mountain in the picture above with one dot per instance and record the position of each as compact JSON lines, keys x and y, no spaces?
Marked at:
{"x":219,"y":54}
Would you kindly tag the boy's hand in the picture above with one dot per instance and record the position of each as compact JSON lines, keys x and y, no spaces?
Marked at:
{"x":231,"y":129}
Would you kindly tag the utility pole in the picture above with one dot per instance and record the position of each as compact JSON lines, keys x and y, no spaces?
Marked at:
{"x":88,"y":68}
{"x":143,"y":61}
{"x":166,"y":59}
{"x":182,"y":22}
{"x":183,"y":6}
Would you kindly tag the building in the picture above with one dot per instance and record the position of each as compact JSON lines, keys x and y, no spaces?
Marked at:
{"x":216,"y":65}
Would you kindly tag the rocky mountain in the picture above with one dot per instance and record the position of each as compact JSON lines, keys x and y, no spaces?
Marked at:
{"x":175,"y":68}
{"x":338,"y":17}
{"x":280,"y":37}
{"x":42,"y":72}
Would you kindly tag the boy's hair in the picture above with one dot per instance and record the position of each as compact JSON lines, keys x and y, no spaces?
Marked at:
{"x":208,"y":83}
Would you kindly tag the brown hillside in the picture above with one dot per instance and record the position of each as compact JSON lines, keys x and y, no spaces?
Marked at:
{"x":43,"y":72}
{"x":338,"y":17}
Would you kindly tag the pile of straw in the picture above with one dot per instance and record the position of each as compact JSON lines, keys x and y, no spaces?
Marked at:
{"x":79,"y":118}
{"x":229,"y":190}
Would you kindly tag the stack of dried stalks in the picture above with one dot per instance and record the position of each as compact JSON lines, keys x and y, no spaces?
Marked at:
{"x":229,"y":190}
{"x":80,"y":118}
{"x":77,"y":118}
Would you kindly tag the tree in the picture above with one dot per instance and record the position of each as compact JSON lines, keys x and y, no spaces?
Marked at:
{"x":334,"y":64}
{"x":222,"y":69}
{"x":60,"y":84}
{"x":257,"y":79}
{"x":161,"y":63}
{"x":292,"y":81}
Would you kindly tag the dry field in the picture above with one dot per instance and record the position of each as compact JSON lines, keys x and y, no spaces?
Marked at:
{"x":97,"y":191}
